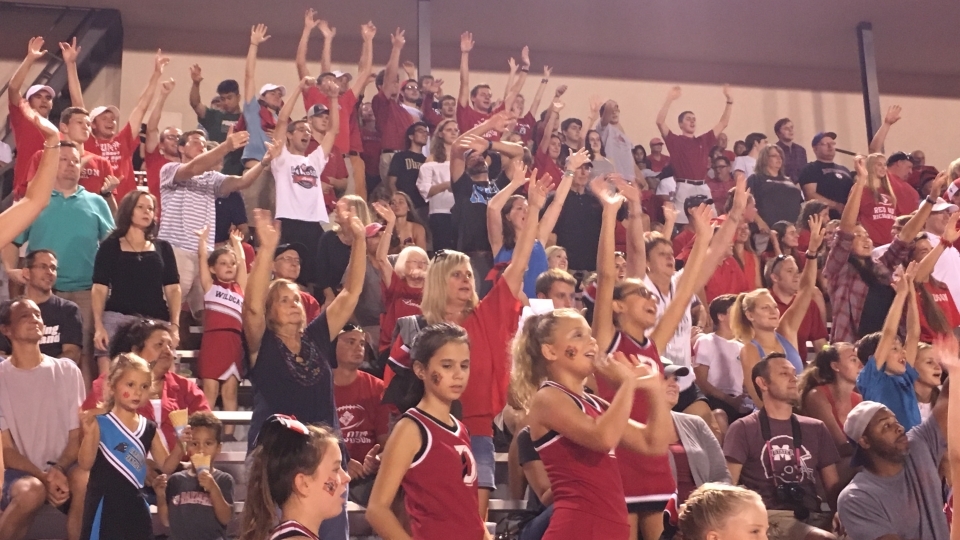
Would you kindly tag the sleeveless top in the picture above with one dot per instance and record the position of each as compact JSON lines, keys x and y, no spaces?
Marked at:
{"x":222,"y":306}
{"x":536,"y":265}
{"x":441,"y":484}
{"x":855,"y":398}
{"x":582,"y":479}
{"x":788,"y":350}
{"x":645,"y":478}
{"x":291,"y":529}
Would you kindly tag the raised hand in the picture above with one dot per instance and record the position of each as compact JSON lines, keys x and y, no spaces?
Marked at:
{"x":537,"y":193}
{"x":274,"y":148}
{"x":557,"y":105}
{"x":474,"y":142}
{"x":501,"y":120}
{"x":512,"y":64}
{"x":410,"y":68}
{"x":160,"y":61}
{"x":237,"y":140}
{"x":466,"y":42}
{"x":110,"y":183}
{"x":859,"y":164}
{"x":608,"y":198}
{"x":69,"y":51}
{"x":357,"y":227}
{"x":893,"y":115}
{"x":236,"y":240}
{"x":577,"y":159}
{"x":385,"y":212}
{"x":307,"y":82}
{"x":951,"y":234}
{"x":330,"y":88}
{"x":309,"y":19}
{"x":936,"y":186}
{"x":674,"y":93}
{"x":627,"y":189}
{"x":266,"y":228}
{"x":726,"y":92}
{"x":167,"y":86}
{"x":371,"y":462}
{"x":547,"y":71}
{"x":817,"y":232}
{"x":258,"y":34}
{"x":525,"y":57}
{"x":947,"y":350}
{"x":740,"y":192}
{"x":368,"y":31}
{"x":328,"y":31}
{"x":595,"y":103}
{"x":670,"y":212}
{"x":700,"y":218}
{"x":397,"y":39}
{"x":35,"y":50}
{"x":196,"y":74}
{"x":520,"y":177}
{"x":50,"y":131}
{"x":561,"y":90}
{"x":202,"y":237}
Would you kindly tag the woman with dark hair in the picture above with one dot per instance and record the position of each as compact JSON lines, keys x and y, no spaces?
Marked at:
{"x":859,"y":287}
{"x":809,"y":208}
{"x":778,"y":197}
{"x":828,"y":389}
{"x":137,"y":271}
{"x":153,"y":341}
{"x":598,"y":155}
{"x":409,"y":229}
{"x":938,"y":308}
{"x":784,"y":242}
{"x":547,"y":158}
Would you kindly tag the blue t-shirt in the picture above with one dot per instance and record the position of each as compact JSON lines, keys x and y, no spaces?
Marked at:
{"x":256,"y":147}
{"x":894,"y":391}
{"x":535,"y":266}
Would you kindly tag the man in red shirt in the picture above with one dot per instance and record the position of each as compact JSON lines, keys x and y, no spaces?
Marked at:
{"x":475,"y":105}
{"x":40,"y":98}
{"x":690,"y":154}
{"x":116,"y":145}
{"x":783,"y":275}
{"x":160,"y":147}
{"x":395,"y":110}
{"x":657,"y":159}
{"x":899,"y":168}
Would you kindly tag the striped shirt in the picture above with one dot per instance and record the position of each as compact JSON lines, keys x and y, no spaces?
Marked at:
{"x":188,"y":206}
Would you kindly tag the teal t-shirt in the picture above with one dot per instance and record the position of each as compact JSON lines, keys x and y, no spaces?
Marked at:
{"x":72,"y":228}
{"x":893,"y":391}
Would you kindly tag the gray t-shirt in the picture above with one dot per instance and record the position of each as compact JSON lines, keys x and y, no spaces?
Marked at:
{"x":190,"y":509}
{"x":909,"y":504}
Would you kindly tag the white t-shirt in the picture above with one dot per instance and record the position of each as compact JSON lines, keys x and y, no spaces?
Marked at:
{"x":6,"y":154}
{"x":678,"y":348}
{"x":746,"y":164}
{"x":431,"y":174}
{"x":947,"y":269}
{"x":722,"y":356}
{"x":39,"y":406}
{"x":299,"y":192}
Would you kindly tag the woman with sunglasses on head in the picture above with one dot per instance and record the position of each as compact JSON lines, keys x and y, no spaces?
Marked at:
{"x":859,"y":286}
{"x":297,"y":468}
{"x":627,"y":320}
{"x":778,"y":197}
{"x":289,"y":360}
{"x":434,"y":185}
{"x":757,"y":323}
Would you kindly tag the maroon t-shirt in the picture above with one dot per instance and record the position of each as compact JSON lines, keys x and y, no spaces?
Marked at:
{"x":29,"y":142}
{"x":690,"y":156}
{"x":346,"y":102}
{"x":392,"y":121}
{"x":469,"y":118}
{"x":525,"y":127}
{"x":811,"y":329}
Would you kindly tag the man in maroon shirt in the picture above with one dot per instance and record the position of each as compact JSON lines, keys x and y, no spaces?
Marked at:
{"x":783,"y":275}
{"x":391,"y":108}
{"x":160,"y":148}
{"x":690,"y":154}
{"x":29,"y":138}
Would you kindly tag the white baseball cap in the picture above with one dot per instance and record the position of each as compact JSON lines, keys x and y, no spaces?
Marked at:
{"x":40,"y":88}
{"x":338,"y":74}
{"x":953,"y":189}
{"x":857,"y":421}
{"x":944,"y":206}
{"x":268,"y":87}
{"x":97,"y":111}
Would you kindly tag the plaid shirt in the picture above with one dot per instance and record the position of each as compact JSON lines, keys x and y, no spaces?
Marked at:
{"x":848,"y":291}
{"x":795,"y":159}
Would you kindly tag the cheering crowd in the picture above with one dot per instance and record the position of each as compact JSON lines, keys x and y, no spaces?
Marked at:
{"x":679,"y":341}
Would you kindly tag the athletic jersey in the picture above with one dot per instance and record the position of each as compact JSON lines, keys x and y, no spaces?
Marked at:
{"x":581,"y":479}
{"x":222,"y":305}
{"x":441,"y":484}
{"x":645,"y":478}
{"x":291,"y":529}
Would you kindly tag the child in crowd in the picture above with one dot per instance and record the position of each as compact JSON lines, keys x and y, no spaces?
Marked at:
{"x":197,"y":502}
{"x":428,"y":453}
{"x":927,"y":385}
{"x":223,"y":276}
{"x":722,"y":512}
{"x":888,"y":374}
{"x":716,"y":363}
{"x":296,"y":468}
{"x":114,"y":450}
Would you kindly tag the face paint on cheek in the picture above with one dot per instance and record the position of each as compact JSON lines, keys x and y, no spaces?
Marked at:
{"x":330,"y":486}
{"x":570,"y":351}
{"x":435,"y":378}
{"x":125,"y":395}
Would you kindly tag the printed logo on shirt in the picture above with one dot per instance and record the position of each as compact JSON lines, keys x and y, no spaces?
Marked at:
{"x":51,"y":334}
{"x":224,"y":294}
{"x":110,"y":150}
{"x":482,"y":194}
{"x":469,"y":464}
{"x":351,"y":416}
{"x":192,"y":497}
{"x":305,"y":176}
{"x":225,"y":125}
{"x":411,"y":164}
{"x":783,"y":459}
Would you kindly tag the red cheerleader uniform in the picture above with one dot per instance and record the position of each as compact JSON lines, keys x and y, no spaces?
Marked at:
{"x":221,"y":350}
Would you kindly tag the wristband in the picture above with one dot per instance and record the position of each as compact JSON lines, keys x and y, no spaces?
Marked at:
{"x":489,"y":146}
{"x":729,"y":103}
{"x":932,"y":201}
{"x":52,"y":147}
{"x":525,"y":69}
{"x":568,"y":172}
{"x":810,"y":256}
{"x":544,"y":80}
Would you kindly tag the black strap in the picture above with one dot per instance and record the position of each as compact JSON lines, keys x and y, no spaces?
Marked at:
{"x":795,"y":424}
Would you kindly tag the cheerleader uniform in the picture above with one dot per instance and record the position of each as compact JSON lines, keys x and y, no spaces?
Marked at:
{"x":441,"y":485}
{"x":587,"y":491}
{"x":291,"y":529}
{"x":221,"y":350}
{"x":115,"y":507}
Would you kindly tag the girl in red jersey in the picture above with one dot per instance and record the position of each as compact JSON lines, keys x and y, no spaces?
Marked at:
{"x":297,"y":468}
{"x":576,"y":434}
{"x":428,"y":452}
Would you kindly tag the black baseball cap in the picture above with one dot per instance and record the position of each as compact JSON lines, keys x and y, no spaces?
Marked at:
{"x":898,"y":156}
{"x":692,"y":202}
{"x":295,"y":246}
{"x":819,"y":136}
{"x":317,"y":110}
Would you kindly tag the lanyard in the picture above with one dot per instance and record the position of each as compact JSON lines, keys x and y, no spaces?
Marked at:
{"x":797,"y":441}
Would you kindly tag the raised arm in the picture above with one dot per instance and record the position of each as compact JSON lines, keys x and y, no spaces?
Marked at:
{"x":513,"y":90}
{"x":236,"y":244}
{"x":636,"y":246}
{"x":391,"y":79}
{"x":196,"y":103}
{"x":892,"y":323}
{"x":603,"y":325}
{"x":309,"y":23}
{"x":724,"y":238}
{"x":258,"y":282}
{"x":203,"y":268}
{"x":672,"y":95}
{"x":383,"y":248}
{"x":474,"y":139}
{"x":329,"y":33}
{"x":35,"y":51}
{"x":511,"y":78}
{"x":365,"y":68}
{"x":332,"y":90}
{"x":929,"y":262}
{"x":911,"y":341}
{"x":592,"y":115}
{"x":466,"y":45}
{"x":341,"y":309}
{"x":258,"y":34}
{"x":283,"y":117}
{"x":70,"y":52}
{"x":919,"y":219}
{"x":496,"y":204}
{"x":18,"y":217}
{"x":946,"y":351}
{"x":153,"y":123}
{"x":513,"y":274}
{"x":851,"y":211}
{"x":207,"y":160}
{"x":550,"y":127}
{"x":146,"y":96}
{"x":793,"y":317}
{"x":725,"y":117}
{"x":891,"y":118}
{"x":237,"y":183}
{"x":552,"y":214}
{"x":538,"y":97}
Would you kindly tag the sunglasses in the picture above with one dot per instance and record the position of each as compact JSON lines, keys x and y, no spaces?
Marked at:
{"x":289,"y":422}
{"x":642,"y":292}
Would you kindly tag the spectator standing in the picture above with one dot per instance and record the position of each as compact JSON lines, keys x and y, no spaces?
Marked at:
{"x":218,"y":121}
{"x":405,"y":167}
{"x":778,"y":197}
{"x":878,"y":201}
{"x":657,"y":160}
{"x":598,"y":156}
{"x":828,"y":393}
{"x":333,"y":251}
{"x":936,"y":304}
{"x":824,"y":180}
{"x":39,"y":99}
{"x":616,"y":144}
{"x":160,"y":147}
{"x":794,"y":155}
{"x":783,"y":277}
{"x":433,"y":183}
{"x":722,"y":182}
{"x":746,"y":163}
{"x":402,"y":282}
{"x":392,"y":117}
{"x":287,"y":264}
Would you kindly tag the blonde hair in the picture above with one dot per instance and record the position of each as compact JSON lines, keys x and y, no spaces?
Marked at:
{"x":120,"y":365}
{"x":884,"y":181}
{"x":710,"y":506}
{"x":529,"y":365}
{"x":273,"y":296}
{"x":434,"y":303}
{"x":954,"y":169}
{"x":359,"y":206}
{"x":400,"y":266}
{"x":554,"y":249}
{"x":739,"y":323}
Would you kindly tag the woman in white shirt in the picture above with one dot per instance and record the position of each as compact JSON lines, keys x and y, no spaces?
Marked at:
{"x":434,"y":185}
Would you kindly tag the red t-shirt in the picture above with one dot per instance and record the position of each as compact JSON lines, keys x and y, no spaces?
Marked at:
{"x":356,"y":143}
{"x":392,"y":122}
{"x":362,"y":417}
{"x":811,"y":329}
{"x":401,"y":300}
{"x":945,"y":302}
{"x":119,"y":151}
{"x":908,"y":198}
{"x":547,"y":165}
{"x":877,"y":215}
{"x":347,"y":101}
{"x":526,"y":127}
{"x":93,"y":171}
{"x":681,"y":240}
{"x":719,"y":191}
{"x":371,"y":151}
{"x":29,"y":142}
{"x":728,"y":278}
{"x":152,"y":163}
{"x":657,"y":166}
{"x":690,"y":156}
{"x":469,"y":118}
{"x":310,"y":306}
{"x":729,"y":155}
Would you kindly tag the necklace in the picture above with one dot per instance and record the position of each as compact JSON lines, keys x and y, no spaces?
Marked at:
{"x":139,"y":251}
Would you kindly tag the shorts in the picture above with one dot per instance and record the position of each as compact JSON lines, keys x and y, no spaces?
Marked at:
{"x":646,"y":507}
{"x":566,"y":524}
{"x":784,"y":526}
{"x":483,"y":454}
{"x":688,"y":397}
{"x":221,"y":355}
{"x":112,"y":321}
{"x":10,"y":476}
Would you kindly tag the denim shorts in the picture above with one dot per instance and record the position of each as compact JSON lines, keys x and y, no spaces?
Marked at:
{"x":483,"y":454}
{"x":10,"y":476}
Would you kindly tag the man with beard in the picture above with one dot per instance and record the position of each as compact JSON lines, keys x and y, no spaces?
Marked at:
{"x":776,"y":453}
{"x":897,"y":494}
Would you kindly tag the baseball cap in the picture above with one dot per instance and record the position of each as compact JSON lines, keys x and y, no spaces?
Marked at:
{"x":656,"y":140}
{"x":338,"y":74}
{"x":268,"y":87}
{"x":97,"y":111}
{"x":857,"y":420}
{"x":674,"y":370}
{"x":373,"y":229}
{"x":294,"y":246}
{"x":944,"y":206}
{"x":897,"y":156}
{"x":692,"y":202}
{"x":953,"y":188}
{"x":40,"y":88}
{"x":317,"y":110}
{"x":819,"y":136}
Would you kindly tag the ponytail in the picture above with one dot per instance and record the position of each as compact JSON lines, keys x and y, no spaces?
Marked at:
{"x":529,"y":365}
{"x":259,"y":510}
{"x":739,"y":323}
{"x":820,"y":371}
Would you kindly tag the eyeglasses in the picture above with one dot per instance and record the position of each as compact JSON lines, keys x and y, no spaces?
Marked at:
{"x":411,"y":87}
{"x":642,"y":292}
